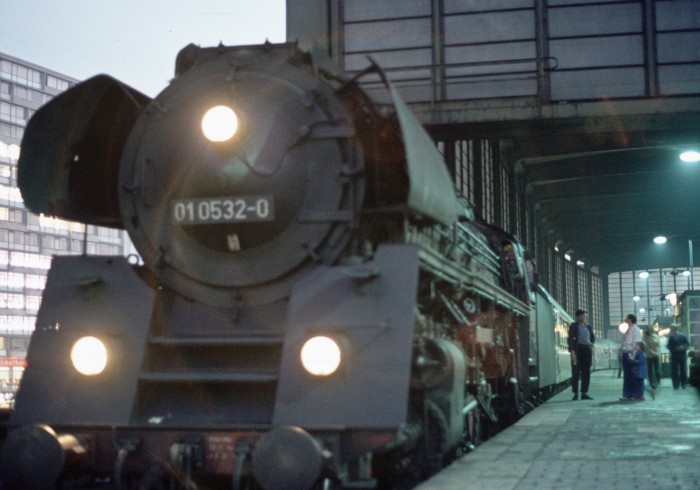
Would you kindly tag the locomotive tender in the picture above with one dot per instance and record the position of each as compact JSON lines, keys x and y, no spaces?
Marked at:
{"x":316,"y":306}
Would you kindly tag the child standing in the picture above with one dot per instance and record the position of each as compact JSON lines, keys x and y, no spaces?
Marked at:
{"x":639,"y":363}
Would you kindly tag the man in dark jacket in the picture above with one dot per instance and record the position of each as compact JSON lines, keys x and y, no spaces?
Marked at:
{"x":678,"y":348}
{"x":581,"y":341}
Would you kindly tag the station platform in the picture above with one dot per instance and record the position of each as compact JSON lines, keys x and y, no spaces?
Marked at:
{"x":597,"y":444}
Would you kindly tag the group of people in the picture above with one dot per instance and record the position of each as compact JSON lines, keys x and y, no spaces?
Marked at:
{"x":639,"y":357}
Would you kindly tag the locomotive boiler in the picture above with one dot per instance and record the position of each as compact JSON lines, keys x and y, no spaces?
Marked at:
{"x":313,"y":305}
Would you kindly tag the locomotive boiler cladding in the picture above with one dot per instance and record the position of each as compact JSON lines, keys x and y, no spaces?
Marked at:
{"x":316,"y":307}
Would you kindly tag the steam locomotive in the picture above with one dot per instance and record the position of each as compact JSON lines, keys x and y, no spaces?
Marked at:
{"x":313,"y":305}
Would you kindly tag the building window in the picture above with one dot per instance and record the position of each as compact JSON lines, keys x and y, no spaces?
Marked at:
{"x":34,"y":281}
{"x":9,"y":152}
{"x":16,"y":215}
{"x":21,"y":93}
{"x":12,"y":113}
{"x":17,"y":237}
{"x":11,"y":131}
{"x":57,"y":83}
{"x":20,"y":74}
{"x":464,"y":168}
{"x":505,"y":195}
{"x":35,"y":261}
{"x":28,"y":95}
{"x":48,"y":241}
{"x":487,"y":181}
{"x":15,"y":301}
{"x":5,"y":173}
{"x":19,"y":343}
{"x":6,"y":69}
{"x":33,"y":303}
{"x":77,"y":246}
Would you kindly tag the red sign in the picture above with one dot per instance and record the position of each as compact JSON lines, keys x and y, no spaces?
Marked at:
{"x":13,"y":362}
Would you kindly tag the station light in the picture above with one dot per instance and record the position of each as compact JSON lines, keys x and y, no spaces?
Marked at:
{"x":644,"y":275}
{"x":660,"y":240}
{"x":690,"y":156}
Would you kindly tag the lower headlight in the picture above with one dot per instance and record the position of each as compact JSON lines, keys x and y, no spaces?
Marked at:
{"x":89,"y":356}
{"x":320,"y":356}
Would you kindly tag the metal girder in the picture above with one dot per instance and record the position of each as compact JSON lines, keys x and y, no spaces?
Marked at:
{"x":603,"y":177}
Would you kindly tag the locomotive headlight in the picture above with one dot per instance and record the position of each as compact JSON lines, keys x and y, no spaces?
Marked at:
{"x":219,"y":123}
{"x":320,"y":356}
{"x":89,"y":356}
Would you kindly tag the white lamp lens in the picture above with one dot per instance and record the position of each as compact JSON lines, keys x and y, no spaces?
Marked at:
{"x":219,"y":123}
{"x":89,"y":356}
{"x":320,"y":356}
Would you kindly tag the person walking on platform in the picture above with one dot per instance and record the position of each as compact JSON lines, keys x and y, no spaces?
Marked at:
{"x":581,"y":341}
{"x":630,"y":337}
{"x":651,"y":340}
{"x":678,"y":348}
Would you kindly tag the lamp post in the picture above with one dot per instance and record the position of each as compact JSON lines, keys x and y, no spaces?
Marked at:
{"x":660,"y":240}
{"x":645,"y":275}
{"x":690,"y":261}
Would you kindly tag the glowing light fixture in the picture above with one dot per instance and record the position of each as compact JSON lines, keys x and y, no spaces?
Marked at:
{"x":622,"y":327}
{"x":685,"y":273}
{"x":643,"y":275}
{"x":660,"y":240}
{"x":89,"y":356}
{"x":690,"y":156}
{"x":636,"y":297}
{"x":320,"y":356}
{"x":219,"y":123}
{"x":672,"y":299}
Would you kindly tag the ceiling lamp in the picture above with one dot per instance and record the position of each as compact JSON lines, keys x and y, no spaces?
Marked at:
{"x":660,"y":240}
{"x":690,"y":156}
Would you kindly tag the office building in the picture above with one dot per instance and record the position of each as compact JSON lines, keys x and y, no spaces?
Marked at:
{"x":28,"y":241}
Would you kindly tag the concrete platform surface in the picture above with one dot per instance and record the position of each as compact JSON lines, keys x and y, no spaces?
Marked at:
{"x":593,"y":444}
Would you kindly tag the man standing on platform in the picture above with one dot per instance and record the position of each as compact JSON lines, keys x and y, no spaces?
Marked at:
{"x":581,"y":341}
{"x":630,"y":337}
{"x":678,"y":349}
{"x":651,"y":340}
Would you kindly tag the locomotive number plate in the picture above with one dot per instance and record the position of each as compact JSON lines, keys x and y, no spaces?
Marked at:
{"x":212,"y":210}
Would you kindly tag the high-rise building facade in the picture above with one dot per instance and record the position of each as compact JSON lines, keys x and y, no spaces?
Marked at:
{"x":28,"y":241}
